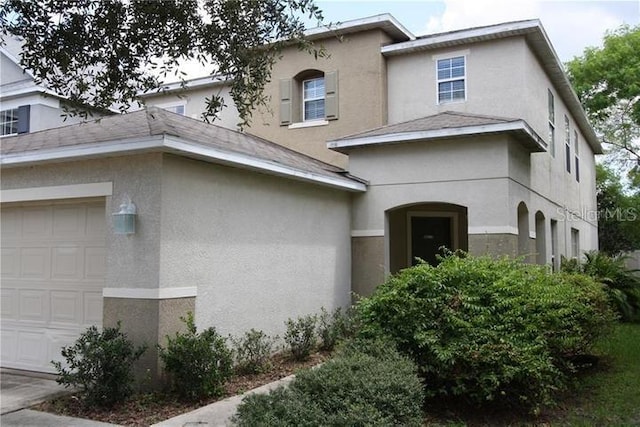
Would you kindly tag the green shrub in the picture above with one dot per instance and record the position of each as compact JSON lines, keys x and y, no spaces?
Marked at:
{"x":99,"y":365}
{"x":488,"y":330}
{"x":197,"y":364}
{"x":300,"y":336}
{"x":367,"y":384}
{"x":252,"y":352}
{"x":621,"y":284}
{"x":334,"y":327}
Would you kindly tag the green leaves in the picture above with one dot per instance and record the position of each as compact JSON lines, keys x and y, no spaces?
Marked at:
{"x":99,"y":364}
{"x":607,"y":81}
{"x":488,"y":330}
{"x":103,"y":53}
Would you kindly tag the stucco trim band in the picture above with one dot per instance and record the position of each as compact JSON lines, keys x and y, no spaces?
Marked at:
{"x":367,"y":233}
{"x":75,"y":191}
{"x":156,"y":293}
{"x":494,"y":230}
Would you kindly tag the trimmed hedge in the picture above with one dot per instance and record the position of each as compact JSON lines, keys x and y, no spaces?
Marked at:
{"x":489,"y":330}
{"x":367,"y":384}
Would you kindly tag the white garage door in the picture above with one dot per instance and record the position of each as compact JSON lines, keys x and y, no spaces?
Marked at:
{"x":53,"y":272}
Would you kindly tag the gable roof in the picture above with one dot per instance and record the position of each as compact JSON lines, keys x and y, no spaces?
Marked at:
{"x":157,"y":130}
{"x":533,"y":31}
{"x":449,"y":124}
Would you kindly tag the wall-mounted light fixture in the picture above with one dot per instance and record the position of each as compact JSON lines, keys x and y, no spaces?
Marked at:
{"x":124,"y":221}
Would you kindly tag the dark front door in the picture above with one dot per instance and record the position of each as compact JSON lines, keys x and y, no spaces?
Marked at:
{"x":428,"y":235}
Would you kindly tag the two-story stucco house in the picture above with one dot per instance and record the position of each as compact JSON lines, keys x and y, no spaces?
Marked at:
{"x":389,"y":149}
{"x":26,"y":106}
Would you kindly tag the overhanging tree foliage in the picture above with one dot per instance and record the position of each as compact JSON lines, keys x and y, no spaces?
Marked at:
{"x":105,"y":52}
{"x":607,"y":81}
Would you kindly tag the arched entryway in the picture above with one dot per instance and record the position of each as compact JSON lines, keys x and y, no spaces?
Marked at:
{"x":422,"y":230}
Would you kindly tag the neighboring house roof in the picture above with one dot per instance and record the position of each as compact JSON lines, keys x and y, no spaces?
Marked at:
{"x":155,"y":129}
{"x":180,"y":86}
{"x":439,"y":126}
{"x":536,"y":37}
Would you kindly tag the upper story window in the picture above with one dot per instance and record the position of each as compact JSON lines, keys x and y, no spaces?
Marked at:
{"x":451,"y":79}
{"x":15,"y":120}
{"x":9,"y":122}
{"x":313,"y":99}
{"x":567,"y":143}
{"x":552,"y":123}
{"x":576,"y":153}
{"x":178,"y":108}
{"x":309,"y":99}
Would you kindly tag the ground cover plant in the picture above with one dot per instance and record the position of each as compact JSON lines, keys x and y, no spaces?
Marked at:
{"x":366,"y":384}
{"x":487,"y":331}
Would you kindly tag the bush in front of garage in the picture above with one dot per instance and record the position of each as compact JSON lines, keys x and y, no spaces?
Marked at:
{"x":99,"y":365}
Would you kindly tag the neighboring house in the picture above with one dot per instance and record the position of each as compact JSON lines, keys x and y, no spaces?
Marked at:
{"x":471,"y":139}
{"x":189,"y":99}
{"x":24,"y":105}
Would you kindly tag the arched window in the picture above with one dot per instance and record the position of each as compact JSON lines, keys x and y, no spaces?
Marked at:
{"x":311,"y":95}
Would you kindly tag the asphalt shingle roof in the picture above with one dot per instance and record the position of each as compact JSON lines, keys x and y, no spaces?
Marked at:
{"x":157,"y":122}
{"x":446,"y":120}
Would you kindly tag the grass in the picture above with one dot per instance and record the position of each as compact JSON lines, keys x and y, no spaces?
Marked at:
{"x":607,"y":395}
{"x":611,"y":396}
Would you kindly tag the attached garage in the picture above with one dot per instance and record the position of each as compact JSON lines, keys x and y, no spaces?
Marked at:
{"x":53,"y":275}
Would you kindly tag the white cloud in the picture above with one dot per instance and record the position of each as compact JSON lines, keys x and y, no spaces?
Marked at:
{"x":571,"y":25}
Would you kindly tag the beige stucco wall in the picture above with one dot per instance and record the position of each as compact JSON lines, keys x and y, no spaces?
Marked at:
{"x":259,"y":249}
{"x":505,"y":78}
{"x":361,"y":88}
{"x":194,"y":101}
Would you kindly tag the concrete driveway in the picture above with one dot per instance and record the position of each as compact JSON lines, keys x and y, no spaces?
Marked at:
{"x":21,"y":391}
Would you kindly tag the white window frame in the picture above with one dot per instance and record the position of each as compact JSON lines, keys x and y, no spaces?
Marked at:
{"x":5,"y":123}
{"x":317,"y":98}
{"x":438,"y":58}
{"x":567,"y":145}
{"x":171,"y":106}
{"x":576,"y":154}
{"x":551,"y":117}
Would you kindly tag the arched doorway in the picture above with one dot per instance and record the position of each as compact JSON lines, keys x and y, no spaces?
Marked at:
{"x":423,"y":231}
{"x":541,"y":239}
{"x":523,"y":230}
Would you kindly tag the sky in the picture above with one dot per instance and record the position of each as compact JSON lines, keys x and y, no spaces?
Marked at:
{"x":571,"y":25}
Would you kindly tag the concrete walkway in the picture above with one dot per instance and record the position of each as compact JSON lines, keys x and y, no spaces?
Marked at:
{"x":18,"y":391}
{"x":218,"y":414}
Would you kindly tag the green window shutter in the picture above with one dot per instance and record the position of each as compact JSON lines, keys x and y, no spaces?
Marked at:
{"x":286,"y":104}
{"x":331,"y":95}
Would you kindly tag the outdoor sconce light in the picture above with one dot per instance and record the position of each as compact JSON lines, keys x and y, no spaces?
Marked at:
{"x":124,"y":222}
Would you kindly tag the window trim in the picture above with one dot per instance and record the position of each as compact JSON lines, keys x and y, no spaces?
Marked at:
{"x":576,"y":154}
{"x":317,"y":98}
{"x":551,"y":117}
{"x":15,"y":122}
{"x":451,"y":56}
{"x":166,"y":106}
{"x":567,"y":144}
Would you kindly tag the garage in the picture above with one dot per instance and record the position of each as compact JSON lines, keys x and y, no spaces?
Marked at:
{"x":53,"y":273}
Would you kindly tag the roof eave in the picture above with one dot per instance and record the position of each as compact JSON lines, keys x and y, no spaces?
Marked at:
{"x":385,"y":22}
{"x":519,"y":127}
{"x":180,"y":146}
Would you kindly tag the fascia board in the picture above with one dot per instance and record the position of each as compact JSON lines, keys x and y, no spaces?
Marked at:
{"x":248,"y":162}
{"x":166,"y":143}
